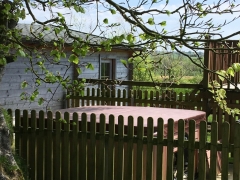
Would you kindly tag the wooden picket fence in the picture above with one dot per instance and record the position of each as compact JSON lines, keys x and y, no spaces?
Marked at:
{"x":197,"y":100}
{"x":90,"y":147}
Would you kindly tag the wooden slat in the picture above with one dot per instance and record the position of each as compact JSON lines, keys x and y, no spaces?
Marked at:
{"x":49,"y":146}
{"x":17,"y":132}
{"x":225,"y":151}
{"x":236,"y":153}
{"x":65,"y":148}
{"x":120,"y":155}
{"x":41,"y":147}
{"x":74,"y":155}
{"x":180,"y":149}
{"x":191,"y":150}
{"x":92,"y":149}
{"x":139,"y":160}
{"x":128,"y":169}
{"x":170,"y":149}
{"x":25,"y":139}
{"x":83,"y":147}
{"x":118,"y":96}
{"x":98,"y":95}
{"x":33,"y":146}
{"x":202,"y":151}
{"x":149,"y":167}
{"x":57,"y":148}
{"x":76,"y":102}
{"x":160,"y":149}
{"x":125,"y":97}
{"x":93,"y":95}
{"x":101,"y":158}
{"x":213,"y":153}
{"x":88,"y":94}
{"x":111,"y":148}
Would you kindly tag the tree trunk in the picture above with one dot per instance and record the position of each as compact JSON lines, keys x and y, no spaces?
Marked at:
{"x":8,"y":166}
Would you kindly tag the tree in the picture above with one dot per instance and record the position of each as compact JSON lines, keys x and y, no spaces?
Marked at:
{"x":148,"y":25}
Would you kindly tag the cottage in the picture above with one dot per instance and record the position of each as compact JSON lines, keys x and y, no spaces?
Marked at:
{"x":107,"y":65}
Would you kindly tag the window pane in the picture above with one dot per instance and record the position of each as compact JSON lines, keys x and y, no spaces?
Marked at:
{"x":105,"y":71}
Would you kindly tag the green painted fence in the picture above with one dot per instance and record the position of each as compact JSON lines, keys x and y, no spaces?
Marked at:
{"x":96,"y":148}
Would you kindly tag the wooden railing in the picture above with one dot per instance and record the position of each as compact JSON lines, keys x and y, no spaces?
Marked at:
{"x":198,"y":99}
{"x":89,"y":150}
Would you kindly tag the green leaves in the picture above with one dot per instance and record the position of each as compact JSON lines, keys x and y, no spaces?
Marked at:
{"x":78,"y":8}
{"x":236,"y":67}
{"x":105,"y":21}
{"x":3,"y":61}
{"x":221,"y":74}
{"x":24,"y":84}
{"x":130,"y":38}
{"x":73,"y":59}
{"x":151,"y":21}
{"x":124,"y":62}
{"x":90,"y":66}
{"x":20,"y":52}
{"x":113,"y":11}
{"x":40,"y":101}
{"x":163,"y":23}
{"x":230,"y":71}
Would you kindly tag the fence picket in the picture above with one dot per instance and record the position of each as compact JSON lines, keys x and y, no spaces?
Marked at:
{"x":236,"y":153}
{"x":159,"y":149}
{"x":119,"y":96}
{"x":191,"y":150}
{"x":111,"y":148}
{"x":65,"y":146}
{"x":225,"y":150}
{"x":149,"y":167}
{"x":128,"y":165}
{"x":49,"y":146}
{"x":17,"y":132}
{"x":170,"y":137}
{"x":120,"y":149}
{"x":180,"y":149}
{"x":213,"y":151}
{"x":74,"y":149}
{"x":139,"y":158}
{"x":88,"y":95}
{"x":33,"y":146}
{"x":83,"y":147}
{"x":57,"y":148}
{"x":99,"y":95}
{"x":25,"y":139}
{"x":92,"y":149}
{"x":101,"y":158}
{"x":41,"y":147}
{"x":202,"y":151}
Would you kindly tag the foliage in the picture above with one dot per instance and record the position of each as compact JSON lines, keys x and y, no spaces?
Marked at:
{"x":219,"y":94}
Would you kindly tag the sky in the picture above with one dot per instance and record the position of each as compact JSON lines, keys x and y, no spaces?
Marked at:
{"x":86,"y":22}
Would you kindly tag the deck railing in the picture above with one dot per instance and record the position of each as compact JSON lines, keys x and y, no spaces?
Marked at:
{"x":135,"y":95}
{"x":92,"y":149}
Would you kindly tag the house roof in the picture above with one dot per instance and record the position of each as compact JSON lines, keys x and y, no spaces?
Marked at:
{"x":30,"y":32}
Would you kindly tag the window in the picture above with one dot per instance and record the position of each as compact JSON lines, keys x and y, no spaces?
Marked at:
{"x":107,"y":69}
